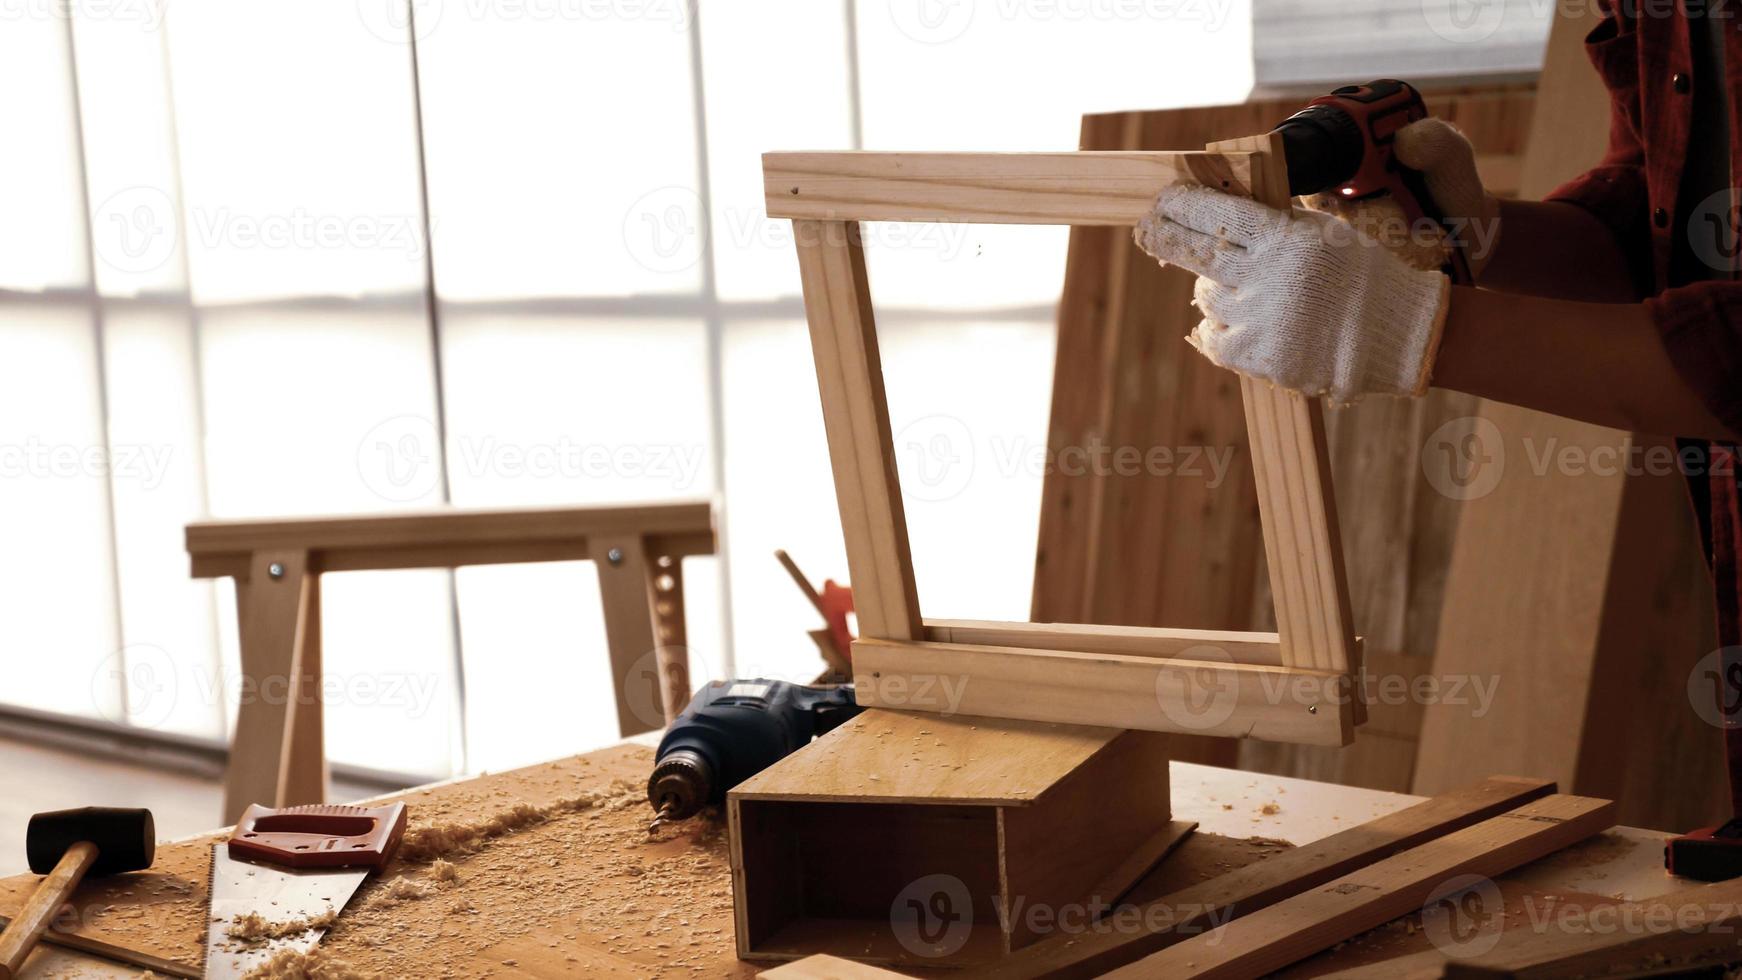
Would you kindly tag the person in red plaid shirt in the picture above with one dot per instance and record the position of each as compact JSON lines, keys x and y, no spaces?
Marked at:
{"x":1614,"y":301}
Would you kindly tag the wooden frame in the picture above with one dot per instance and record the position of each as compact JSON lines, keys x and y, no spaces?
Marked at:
{"x":278,"y":756}
{"x":1138,"y":678}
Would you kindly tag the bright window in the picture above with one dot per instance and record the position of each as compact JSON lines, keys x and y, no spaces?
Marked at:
{"x":215,"y":299}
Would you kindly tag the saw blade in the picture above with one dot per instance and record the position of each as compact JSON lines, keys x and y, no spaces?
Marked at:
{"x":281,"y":897}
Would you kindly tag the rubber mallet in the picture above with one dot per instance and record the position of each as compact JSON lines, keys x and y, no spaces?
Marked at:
{"x":65,"y":846}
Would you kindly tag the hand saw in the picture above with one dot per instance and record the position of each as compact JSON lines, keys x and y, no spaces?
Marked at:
{"x":293,"y":866}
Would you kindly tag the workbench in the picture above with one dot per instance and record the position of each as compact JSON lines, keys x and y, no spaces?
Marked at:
{"x":589,"y":894}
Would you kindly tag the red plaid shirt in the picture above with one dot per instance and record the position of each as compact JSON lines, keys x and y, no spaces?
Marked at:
{"x":1643,"y":52}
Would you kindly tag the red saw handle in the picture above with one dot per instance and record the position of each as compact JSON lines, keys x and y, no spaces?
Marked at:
{"x":319,"y":836}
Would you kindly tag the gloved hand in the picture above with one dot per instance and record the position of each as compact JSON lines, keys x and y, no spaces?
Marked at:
{"x":1447,"y":163}
{"x":1299,"y":299}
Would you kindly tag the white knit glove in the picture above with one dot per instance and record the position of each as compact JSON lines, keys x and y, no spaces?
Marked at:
{"x":1447,"y":163}
{"x":1299,"y":299}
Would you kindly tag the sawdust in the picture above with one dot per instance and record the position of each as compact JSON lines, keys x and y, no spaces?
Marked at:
{"x":289,"y":964}
{"x":530,"y":884}
{"x":429,"y":843}
{"x":253,"y":929}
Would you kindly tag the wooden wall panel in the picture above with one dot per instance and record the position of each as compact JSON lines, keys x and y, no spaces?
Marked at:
{"x":1181,"y":548}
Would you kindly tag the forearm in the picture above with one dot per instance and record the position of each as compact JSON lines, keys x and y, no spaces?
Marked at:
{"x":1596,"y":362}
{"x":1555,"y":249}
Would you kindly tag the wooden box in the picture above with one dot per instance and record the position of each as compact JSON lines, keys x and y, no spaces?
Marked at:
{"x":926,"y":839}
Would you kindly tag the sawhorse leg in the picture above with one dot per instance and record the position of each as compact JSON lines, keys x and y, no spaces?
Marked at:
{"x":278,"y":757}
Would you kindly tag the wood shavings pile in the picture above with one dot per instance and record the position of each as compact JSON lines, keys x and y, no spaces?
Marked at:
{"x":429,"y":843}
{"x":290,"y":964}
{"x":252,"y":929}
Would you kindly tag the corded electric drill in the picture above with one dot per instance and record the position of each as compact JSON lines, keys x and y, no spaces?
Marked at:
{"x":733,"y":730}
{"x":1344,"y":141}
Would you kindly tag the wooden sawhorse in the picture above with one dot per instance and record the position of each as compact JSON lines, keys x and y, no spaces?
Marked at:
{"x":278,"y":756}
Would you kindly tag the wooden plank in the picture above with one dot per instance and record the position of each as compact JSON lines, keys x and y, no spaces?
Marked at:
{"x":274,"y":625}
{"x":1191,"y":910}
{"x":1137,"y":641}
{"x":1189,"y":697}
{"x":837,"y":300}
{"x":1694,"y":926}
{"x":453,"y":526}
{"x":1316,"y":920}
{"x":987,"y":188}
{"x":825,"y":967}
{"x":907,"y":757}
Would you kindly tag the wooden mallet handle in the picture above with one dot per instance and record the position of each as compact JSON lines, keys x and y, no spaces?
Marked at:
{"x":51,"y":893}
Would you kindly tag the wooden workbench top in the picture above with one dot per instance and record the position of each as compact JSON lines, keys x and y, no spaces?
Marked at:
{"x":587,"y":893}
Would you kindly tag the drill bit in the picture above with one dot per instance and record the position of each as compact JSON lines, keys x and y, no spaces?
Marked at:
{"x":665,"y":812}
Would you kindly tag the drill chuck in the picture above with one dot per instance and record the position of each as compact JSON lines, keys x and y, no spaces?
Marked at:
{"x":1324,"y":147}
{"x":681,"y":784}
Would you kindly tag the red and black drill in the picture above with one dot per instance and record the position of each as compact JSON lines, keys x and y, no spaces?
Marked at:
{"x":1344,"y":142}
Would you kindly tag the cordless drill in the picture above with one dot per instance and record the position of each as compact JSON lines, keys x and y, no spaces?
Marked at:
{"x":733,"y":730}
{"x":1344,"y":141}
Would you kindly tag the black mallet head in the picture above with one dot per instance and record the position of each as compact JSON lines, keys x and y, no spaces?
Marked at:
{"x":126,"y":838}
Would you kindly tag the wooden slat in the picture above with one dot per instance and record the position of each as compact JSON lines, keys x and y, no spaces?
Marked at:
{"x":1136,"y":641}
{"x":837,"y":300}
{"x":1316,"y":920}
{"x":454,"y":526}
{"x":1187,"y":912}
{"x":1296,"y":503}
{"x":1160,"y":695}
{"x":987,"y":188}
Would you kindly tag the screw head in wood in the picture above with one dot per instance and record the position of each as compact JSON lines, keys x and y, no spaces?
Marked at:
{"x":1312,"y":709}
{"x":276,"y":570}
{"x":614,"y":556}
